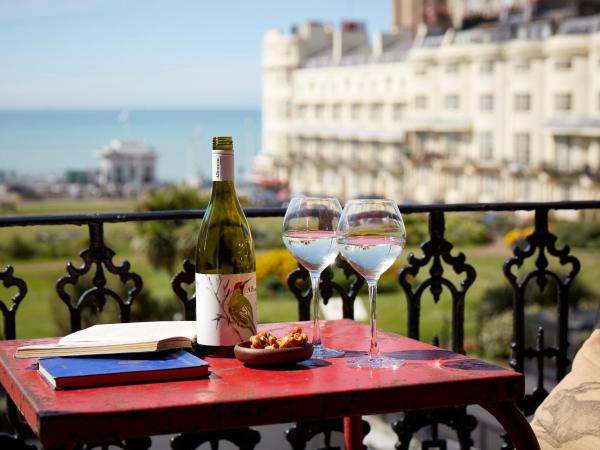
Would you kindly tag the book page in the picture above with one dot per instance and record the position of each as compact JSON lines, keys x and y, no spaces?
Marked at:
{"x":133,"y":332}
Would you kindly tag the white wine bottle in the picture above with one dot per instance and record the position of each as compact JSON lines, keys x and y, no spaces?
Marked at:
{"x":225,"y":264}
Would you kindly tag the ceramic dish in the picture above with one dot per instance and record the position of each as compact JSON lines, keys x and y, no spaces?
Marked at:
{"x":274,"y":357}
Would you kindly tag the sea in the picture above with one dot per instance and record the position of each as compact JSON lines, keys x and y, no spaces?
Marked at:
{"x":49,"y":142}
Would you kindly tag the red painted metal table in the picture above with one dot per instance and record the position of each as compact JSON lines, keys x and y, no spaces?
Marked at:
{"x":236,"y":396}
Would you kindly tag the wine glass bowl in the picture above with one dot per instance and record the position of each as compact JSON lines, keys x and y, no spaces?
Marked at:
{"x":370,"y":236}
{"x":309,"y":233}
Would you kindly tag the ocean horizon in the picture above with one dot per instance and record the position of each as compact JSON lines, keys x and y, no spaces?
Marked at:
{"x":47,"y":142}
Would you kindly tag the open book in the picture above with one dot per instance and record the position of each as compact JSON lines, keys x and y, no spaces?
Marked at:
{"x":113,"y":338}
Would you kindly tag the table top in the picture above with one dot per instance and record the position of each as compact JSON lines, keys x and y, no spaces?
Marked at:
{"x":235,"y":395}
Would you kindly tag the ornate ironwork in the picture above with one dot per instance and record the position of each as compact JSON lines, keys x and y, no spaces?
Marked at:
{"x":100,"y":255}
{"x":14,"y":440}
{"x":455,"y":418}
{"x":9,"y":312}
{"x":299,"y":435}
{"x":244,"y":438}
{"x":540,"y":241}
{"x":298,"y":282}
{"x":186,"y":276}
{"x":436,"y":250}
{"x":126,"y":444}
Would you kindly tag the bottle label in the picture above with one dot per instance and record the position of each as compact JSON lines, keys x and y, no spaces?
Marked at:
{"x":222,"y":165}
{"x":225,"y":308}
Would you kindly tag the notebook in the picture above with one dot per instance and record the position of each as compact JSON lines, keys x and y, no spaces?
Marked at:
{"x":88,"y":371}
{"x":114,"y":338}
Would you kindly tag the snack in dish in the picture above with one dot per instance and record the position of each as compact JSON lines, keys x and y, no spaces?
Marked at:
{"x":267,"y":341}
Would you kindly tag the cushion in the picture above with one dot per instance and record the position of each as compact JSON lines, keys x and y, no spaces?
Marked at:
{"x":569,"y":418}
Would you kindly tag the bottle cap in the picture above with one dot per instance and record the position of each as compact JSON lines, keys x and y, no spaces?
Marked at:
{"x":222,"y":143}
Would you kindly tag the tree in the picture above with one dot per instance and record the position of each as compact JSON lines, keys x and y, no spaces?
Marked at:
{"x":166,"y":242}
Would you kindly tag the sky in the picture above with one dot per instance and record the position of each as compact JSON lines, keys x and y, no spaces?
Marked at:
{"x":150,"y":54}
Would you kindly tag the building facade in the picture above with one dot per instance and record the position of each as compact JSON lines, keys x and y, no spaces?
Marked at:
{"x":505,"y":111}
{"x":127,"y":168}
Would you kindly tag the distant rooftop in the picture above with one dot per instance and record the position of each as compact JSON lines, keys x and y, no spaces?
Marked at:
{"x":394,"y":46}
{"x":127,"y":148}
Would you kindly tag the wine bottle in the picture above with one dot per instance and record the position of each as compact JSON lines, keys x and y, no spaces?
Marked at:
{"x":225,"y":264}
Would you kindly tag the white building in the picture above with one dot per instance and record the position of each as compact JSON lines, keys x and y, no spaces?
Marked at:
{"x":127,"y":167}
{"x":505,"y":111}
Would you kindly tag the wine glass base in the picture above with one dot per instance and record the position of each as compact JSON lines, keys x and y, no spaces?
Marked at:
{"x":375,"y":362}
{"x":323,"y":352}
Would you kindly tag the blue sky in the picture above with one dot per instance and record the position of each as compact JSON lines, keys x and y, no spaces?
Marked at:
{"x":146,"y":54}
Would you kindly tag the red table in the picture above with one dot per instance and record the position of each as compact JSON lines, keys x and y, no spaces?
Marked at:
{"x":237,"y":396}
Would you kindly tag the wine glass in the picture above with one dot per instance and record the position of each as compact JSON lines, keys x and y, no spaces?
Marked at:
{"x":371,"y":235}
{"x":309,"y":233}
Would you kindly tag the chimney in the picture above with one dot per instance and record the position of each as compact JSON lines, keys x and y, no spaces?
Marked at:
{"x":350,"y":35}
{"x":406,"y":14}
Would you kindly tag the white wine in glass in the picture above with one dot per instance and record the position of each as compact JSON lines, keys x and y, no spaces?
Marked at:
{"x":309,"y":233}
{"x":371,"y":235}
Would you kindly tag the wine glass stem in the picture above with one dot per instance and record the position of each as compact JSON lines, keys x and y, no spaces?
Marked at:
{"x":314,"y":280}
{"x":374,"y":349}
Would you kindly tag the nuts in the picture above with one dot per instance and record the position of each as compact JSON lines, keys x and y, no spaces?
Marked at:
{"x":266,"y":340}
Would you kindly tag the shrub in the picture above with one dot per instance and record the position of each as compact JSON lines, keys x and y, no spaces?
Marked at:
{"x":273,"y":267}
{"x":579,"y":234}
{"x":164,"y":242}
{"x":496,"y":334}
{"x":18,"y":248}
{"x":467,"y":229}
{"x":498,"y":299}
{"x":461,"y":229}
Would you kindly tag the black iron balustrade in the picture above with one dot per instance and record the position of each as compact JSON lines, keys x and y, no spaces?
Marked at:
{"x":436,"y":254}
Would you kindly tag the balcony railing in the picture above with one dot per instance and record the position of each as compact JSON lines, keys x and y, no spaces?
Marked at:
{"x":428,"y":272}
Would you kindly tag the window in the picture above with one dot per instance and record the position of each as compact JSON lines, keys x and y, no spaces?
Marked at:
{"x":452,"y":145}
{"x":148,"y":175}
{"x":522,"y":66}
{"x":355,"y":112}
{"x":452,"y":68}
{"x":489,"y":184}
{"x":423,"y":174}
{"x":336,"y":111}
{"x":354,"y":150}
{"x":486,"y":102}
{"x":301,"y":111}
{"x":451,"y":101}
{"x":486,"y":145}
{"x":563,"y":146}
{"x":420,"y":102}
{"x":453,"y":181}
{"x":562,"y":65}
{"x":398,"y":111}
{"x":319,"y":111}
{"x":522,"y":102}
{"x":420,"y":71}
{"x":522,"y":147}
{"x":562,"y":102}
{"x":486,"y":68}
{"x":421,"y":141}
{"x":376,"y":111}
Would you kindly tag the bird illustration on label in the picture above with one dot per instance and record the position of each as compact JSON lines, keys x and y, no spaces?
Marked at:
{"x":234,"y":306}
{"x":240,"y":308}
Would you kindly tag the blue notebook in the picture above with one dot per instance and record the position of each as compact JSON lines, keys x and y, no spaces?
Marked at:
{"x":87,"y":371}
